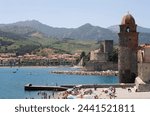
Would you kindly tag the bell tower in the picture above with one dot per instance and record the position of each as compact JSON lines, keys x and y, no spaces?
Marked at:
{"x":128,"y":44}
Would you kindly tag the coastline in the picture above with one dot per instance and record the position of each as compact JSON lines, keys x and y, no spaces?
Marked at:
{"x":75,"y":72}
{"x":36,"y":66}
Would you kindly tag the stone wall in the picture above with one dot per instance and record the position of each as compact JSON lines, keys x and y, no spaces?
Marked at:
{"x":144,"y":71}
{"x":127,"y":56}
{"x":144,"y":54}
{"x":108,"y":46}
{"x":94,"y":55}
{"x":141,"y":86}
{"x":143,"y":79}
{"x":101,"y":66}
{"x":107,"y":86}
{"x":101,"y":54}
{"x":147,"y":54}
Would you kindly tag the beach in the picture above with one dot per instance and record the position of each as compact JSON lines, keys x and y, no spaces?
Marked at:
{"x":106,"y":93}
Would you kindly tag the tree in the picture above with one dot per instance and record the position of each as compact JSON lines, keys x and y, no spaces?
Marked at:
{"x":102,"y":48}
{"x":113,"y":57}
{"x":82,"y":55}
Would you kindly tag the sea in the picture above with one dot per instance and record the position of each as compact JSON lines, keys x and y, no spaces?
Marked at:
{"x":13,"y":80}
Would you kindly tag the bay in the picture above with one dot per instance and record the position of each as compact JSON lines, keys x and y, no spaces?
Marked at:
{"x":12,"y":80}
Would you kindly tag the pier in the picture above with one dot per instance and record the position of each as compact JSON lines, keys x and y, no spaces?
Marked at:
{"x":30,"y":87}
{"x":101,"y":73}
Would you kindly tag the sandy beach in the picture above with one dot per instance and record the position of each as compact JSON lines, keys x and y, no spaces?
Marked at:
{"x":105,"y":93}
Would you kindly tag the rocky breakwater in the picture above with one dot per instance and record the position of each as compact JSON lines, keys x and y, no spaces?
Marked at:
{"x":102,"y":73}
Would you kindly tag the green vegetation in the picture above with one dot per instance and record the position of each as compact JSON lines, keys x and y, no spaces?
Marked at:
{"x":113,"y":57}
{"x":33,"y":36}
{"x":73,"y":46}
{"x":17,"y":46}
{"x":34,"y":44}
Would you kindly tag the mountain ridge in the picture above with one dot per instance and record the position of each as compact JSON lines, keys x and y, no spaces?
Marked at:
{"x":86,"y":31}
{"x":83,"y":32}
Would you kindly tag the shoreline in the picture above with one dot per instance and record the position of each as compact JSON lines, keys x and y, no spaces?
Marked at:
{"x":106,"y":91}
{"x":36,"y":67}
{"x":75,"y":72}
{"x":110,"y":92}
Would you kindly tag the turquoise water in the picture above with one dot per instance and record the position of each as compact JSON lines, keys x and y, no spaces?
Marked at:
{"x":12,"y":80}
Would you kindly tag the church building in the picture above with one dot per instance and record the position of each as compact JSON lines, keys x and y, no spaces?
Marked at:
{"x":128,"y":45}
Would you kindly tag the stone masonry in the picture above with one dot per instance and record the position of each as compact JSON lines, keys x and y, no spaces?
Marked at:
{"x":128,"y":44}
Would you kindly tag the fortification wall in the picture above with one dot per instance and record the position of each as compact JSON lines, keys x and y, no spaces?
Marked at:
{"x":101,"y":66}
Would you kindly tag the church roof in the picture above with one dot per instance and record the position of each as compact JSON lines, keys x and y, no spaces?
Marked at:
{"x":128,"y":19}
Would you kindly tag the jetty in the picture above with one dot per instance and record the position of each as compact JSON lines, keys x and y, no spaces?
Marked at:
{"x":30,"y":87}
{"x":102,"y":73}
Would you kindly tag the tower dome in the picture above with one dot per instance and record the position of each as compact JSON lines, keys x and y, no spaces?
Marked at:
{"x":128,"y":19}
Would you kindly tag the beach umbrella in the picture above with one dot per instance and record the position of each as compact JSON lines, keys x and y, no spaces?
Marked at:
{"x":71,"y":97}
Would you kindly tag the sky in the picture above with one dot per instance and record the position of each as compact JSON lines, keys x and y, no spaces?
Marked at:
{"x":74,"y":13}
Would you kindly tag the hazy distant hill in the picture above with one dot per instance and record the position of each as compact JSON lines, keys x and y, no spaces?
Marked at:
{"x":89,"y":31}
{"x":29,"y":36}
{"x":12,"y":35}
{"x":28,"y":27}
{"x":25,"y":29}
{"x":83,"y":32}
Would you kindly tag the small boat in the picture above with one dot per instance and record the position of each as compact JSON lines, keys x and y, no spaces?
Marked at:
{"x":14,"y":71}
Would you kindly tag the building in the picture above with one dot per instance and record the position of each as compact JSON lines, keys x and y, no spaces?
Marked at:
{"x":128,"y":45}
{"x":99,"y":58}
{"x":143,"y":79}
{"x":8,"y":59}
{"x":101,"y":54}
{"x":98,"y":55}
{"x":106,"y":46}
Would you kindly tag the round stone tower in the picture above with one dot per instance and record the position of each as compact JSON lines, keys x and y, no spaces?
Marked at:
{"x":128,"y":44}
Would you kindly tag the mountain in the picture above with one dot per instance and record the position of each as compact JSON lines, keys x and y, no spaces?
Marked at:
{"x":30,"y":36}
{"x":114,"y":28}
{"x":18,"y":30}
{"x":144,"y":33}
{"x":33,"y":28}
{"x":13,"y":36}
{"x":89,"y":31}
{"x":28,"y":27}
{"x":83,"y":32}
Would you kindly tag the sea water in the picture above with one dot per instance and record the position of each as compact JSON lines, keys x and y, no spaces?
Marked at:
{"x":12,"y":80}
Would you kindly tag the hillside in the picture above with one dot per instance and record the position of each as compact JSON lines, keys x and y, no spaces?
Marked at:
{"x":38,"y":42}
{"x":27,"y":27}
{"x":89,"y":31}
{"x":83,"y":32}
{"x":28,"y":36}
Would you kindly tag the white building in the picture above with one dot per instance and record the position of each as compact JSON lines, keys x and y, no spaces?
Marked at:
{"x":143,"y":79}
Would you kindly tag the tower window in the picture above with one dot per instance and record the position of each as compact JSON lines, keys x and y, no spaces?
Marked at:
{"x":127,"y":29}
